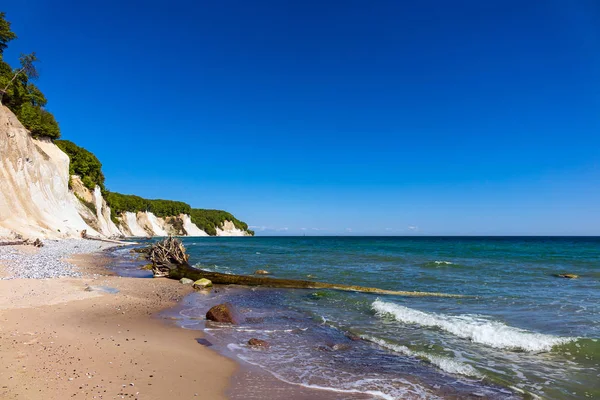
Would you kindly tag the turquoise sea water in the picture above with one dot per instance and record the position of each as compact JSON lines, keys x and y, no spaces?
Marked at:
{"x":520,"y":332}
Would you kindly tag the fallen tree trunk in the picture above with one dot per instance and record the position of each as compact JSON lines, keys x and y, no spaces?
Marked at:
{"x":13,"y":243}
{"x":170,"y":260}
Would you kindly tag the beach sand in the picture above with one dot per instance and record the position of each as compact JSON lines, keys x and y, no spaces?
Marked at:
{"x":59,"y":340}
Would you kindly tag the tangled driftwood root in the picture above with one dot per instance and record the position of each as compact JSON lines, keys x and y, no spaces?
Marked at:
{"x":166,"y":254}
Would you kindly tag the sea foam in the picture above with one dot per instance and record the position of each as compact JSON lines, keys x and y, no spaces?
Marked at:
{"x":480,"y":330}
{"x":444,"y":363}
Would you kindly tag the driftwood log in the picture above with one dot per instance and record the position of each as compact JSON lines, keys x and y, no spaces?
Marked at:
{"x":169,"y":259}
{"x":25,"y":242}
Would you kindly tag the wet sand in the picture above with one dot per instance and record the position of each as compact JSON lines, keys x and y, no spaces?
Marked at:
{"x":70,"y":338}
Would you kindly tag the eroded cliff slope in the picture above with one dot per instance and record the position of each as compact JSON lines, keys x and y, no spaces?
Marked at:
{"x":34,"y":197}
{"x":39,"y":198}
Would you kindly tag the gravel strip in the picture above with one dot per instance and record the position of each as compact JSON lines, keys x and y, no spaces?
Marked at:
{"x":47,"y":262}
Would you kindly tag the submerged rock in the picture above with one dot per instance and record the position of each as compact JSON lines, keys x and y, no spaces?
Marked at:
{"x":186,"y":281}
{"x":223,"y":313}
{"x":352,"y":336}
{"x":261,"y":272}
{"x":340,"y":346}
{"x":202,"y":284}
{"x":258,"y":343}
{"x":568,"y":276}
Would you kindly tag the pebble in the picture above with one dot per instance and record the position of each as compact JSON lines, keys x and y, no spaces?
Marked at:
{"x":46,"y":263}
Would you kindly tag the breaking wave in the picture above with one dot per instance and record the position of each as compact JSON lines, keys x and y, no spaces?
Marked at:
{"x":480,"y":330}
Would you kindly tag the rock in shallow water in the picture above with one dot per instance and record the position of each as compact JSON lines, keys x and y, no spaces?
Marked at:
{"x":568,"y":276}
{"x":258,"y":343}
{"x":261,"y":272}
{"x":202,"y":284}
{"x":223,"y":313}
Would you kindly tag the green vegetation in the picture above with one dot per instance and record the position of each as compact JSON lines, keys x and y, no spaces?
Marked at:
{"x":19,"y":94}
{"x":120,"y":203}
{"x":6,"y":35}
{"x":209,"y":220}
{"x":83,"y":163}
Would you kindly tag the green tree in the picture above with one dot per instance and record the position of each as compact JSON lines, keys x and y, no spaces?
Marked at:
{"x":38,"y":121}
{"x":6,"y":35}
{"x":27,"y":69}
{"x":19,"y":94}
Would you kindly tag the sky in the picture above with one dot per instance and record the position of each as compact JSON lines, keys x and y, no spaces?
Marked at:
{"x":335,"y":117}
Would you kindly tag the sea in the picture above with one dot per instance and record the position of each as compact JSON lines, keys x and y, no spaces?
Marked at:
{"x":517,"y":331}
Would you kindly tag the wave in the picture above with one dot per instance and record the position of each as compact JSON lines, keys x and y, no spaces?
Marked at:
{"x":444,"y":363}
{"x":480,"y":330}
{"x":442,"y":263}
{"x":357,"y":386}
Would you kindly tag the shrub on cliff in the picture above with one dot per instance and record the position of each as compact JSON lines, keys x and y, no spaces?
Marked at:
{"x":83,"y":163}
{"x":38,"y":121}
{"x":210,"y":220}
{"x":207,"y":220}
{"x":120,"y":203}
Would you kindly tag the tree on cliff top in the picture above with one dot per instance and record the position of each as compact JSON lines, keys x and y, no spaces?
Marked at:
{"x":6,"y":35}
{"x":27,"y":70}
{"x":20,"y":95}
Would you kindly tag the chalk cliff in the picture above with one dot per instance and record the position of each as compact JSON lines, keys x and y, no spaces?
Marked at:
{"x":35,"y":200}
{"x":38,"y":198}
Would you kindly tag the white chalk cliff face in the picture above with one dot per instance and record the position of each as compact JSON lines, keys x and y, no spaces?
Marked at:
{"x":190,"y":228}
{"x":34,"y":197}
{"x":36,"y":202}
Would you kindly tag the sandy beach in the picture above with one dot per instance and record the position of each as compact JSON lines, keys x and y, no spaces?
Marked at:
{"x":95,"y":337}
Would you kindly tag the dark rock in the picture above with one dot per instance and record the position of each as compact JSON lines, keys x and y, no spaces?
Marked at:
{"x":258,"y":343}
{"x":352,"y":336}
{"x":223,"y":313}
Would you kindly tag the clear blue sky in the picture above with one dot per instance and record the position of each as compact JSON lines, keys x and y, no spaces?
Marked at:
{"x":335,"y":117}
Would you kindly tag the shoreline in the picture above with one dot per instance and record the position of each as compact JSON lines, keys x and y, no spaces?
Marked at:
{"x":102,"y":335}
{"x":97,"y":336}
{"x":79,"y":318}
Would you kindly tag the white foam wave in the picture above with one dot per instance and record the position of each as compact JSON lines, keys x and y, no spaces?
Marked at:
{"x":443,"y":262}
{"x":444,"y":363}
{"x":480,"y":330}
{"x":374,"y":393}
